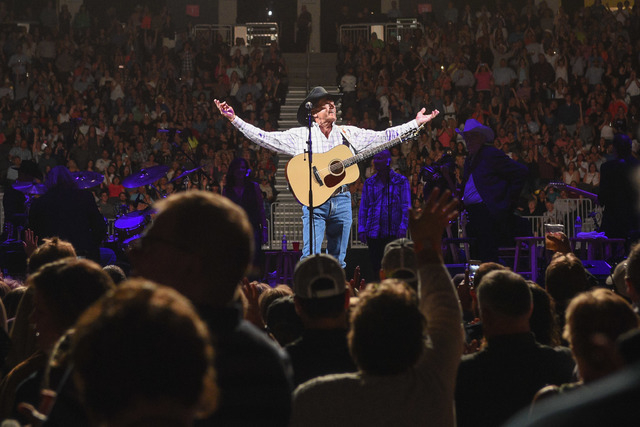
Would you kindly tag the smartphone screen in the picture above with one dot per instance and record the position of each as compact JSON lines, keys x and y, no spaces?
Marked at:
{"x":473,"y":268}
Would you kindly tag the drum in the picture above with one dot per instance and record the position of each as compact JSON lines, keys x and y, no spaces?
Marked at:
{"x":124,"y":246}
{"x":129,"y":225}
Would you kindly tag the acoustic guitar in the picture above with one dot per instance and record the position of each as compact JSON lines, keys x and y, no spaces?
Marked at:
{"x":332,"y":169}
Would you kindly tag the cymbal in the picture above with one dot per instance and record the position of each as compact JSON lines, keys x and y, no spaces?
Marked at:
{"x":28,"y":187}
{"x":134,"y":214}
{"x":87,"y":179}
{"x":145,"y":176}
{"x":185,"y":173}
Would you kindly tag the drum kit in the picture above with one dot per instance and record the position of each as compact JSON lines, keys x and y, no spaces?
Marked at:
{"x":128,"y":226}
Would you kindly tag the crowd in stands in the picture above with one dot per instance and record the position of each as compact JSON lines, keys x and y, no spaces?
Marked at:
{"x":94,"y":93}
{"x":554,"y":87}
{"x":80,"y":344}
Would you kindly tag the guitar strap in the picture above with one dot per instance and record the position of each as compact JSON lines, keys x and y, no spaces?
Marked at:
{"x":345,"y":141}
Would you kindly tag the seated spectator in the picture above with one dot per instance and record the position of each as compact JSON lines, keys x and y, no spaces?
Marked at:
{"x":321,"y":298}
{"x":503,"y":377}
{"x":403,"y":377}
{"x":592,"y":177}
{"x":121,"y":370}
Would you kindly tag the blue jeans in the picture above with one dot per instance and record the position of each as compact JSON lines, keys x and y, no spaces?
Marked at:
{"x":334,"y":218}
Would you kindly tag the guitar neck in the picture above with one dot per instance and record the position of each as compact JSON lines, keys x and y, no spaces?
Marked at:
{"x":375,"y":150}
{"x":563,"y":186}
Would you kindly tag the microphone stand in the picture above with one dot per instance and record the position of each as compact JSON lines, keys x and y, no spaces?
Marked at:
{"x":311,"y":208}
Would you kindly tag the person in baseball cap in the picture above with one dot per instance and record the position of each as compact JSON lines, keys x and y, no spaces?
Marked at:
{"x":399,"y":262}
{"x":321,"y":299}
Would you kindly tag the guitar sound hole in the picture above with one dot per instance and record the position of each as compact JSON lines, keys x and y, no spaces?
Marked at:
{"x":336,"y":167}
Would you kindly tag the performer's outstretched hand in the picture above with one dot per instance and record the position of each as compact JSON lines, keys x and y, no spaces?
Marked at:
{"x":225,"y":109}
{"x":421,"y":117}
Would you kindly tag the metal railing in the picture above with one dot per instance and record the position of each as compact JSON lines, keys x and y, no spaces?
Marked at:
{"x":566,"y":211}
{"x":261,"y":33}
{"x":400,"y":31}
{"x":208,"y":32}
{"x":286,"y":219}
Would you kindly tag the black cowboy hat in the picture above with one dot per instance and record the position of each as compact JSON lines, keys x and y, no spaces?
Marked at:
{"x":316,"y":94}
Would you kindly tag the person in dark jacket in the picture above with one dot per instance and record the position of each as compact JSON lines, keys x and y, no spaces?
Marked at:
{"x":618,"y":194}
{"x":502,"y":378}
{"x":201,"y":244}
{"x":69,"y":213}
{"x":491,"y":186}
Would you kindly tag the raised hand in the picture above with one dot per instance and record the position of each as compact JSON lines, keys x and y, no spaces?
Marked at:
{"x":225,"y":109}
{"x":30,"y":242}
{"x":422,"y":118}
{"x":562,"y":243}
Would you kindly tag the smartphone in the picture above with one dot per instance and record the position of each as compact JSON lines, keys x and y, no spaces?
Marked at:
{"x":472,"y":266}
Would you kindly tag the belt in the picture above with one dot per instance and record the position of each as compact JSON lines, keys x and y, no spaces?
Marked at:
{"x":340,"y":190}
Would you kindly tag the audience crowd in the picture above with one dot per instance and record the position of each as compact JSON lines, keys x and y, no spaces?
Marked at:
{"x":94,"y":94}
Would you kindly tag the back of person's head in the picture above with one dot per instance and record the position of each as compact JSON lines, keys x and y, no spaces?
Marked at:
{"x":386,"y":331}
{"x":200,"y":243}
{"x":67,"y":287}
{"x":591,"y":316}
{"x":616,"y":280}
{"x":116,"y":273}
{"x":143,"y":346}
{"x":283,"y":321}
{"x":50,"y":250}
{"x":320,"y":287}
{"x":632,"y":276}
{"x":505,"y":294}
{"x":565,"y":278}
{"x":399,"y":262}
{"x":485,"y":268}
{"x":543,"y":321}
{"x":270,"y":295}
